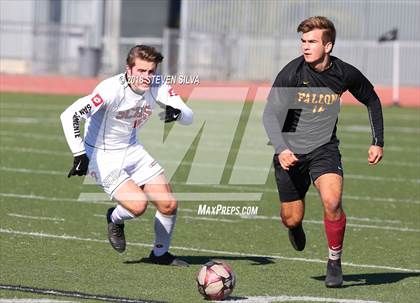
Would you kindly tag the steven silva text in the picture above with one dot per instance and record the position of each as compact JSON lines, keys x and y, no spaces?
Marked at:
{"x":219,"y":209}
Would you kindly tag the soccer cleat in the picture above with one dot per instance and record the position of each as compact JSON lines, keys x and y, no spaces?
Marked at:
{"x":167,"y":259}
{"x":115,"y":233}
{"x":334,"y":276}
{"x":297,"y":237}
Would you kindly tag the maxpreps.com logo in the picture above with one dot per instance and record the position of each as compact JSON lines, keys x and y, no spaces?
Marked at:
{"x":97,"y":100}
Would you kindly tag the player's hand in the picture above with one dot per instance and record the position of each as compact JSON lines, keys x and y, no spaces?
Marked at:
{"x":80,"y":166}
{"x":170,"y":114}
{"x":375,"y":154}
{"x":287,"y":159}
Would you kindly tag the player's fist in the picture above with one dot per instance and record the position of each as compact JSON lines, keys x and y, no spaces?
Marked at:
{"x":80,"y":166}
{"x":287,"y":159}
{"x":170,"y":114}
{"x":375,"y":154}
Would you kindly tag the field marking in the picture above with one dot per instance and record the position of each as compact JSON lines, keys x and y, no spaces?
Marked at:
{"x":268,"y":190}
{"x":210,"y":219}
{"x":348,"y":176}
{"x":401,"y":229}
{"x":373,"y":220}
{"x":34,"y":151}
{"x":386,"y":148}
{"x":66,"y":154}
{"x":349,"y":197}
{"x":34,"y":301}
{"x":43,"y":198}
{"x":32,"y":171}
{"x":30,"y":120}
{"x":366,"y":129}
{"x":32,"y":136}
{"x":41,"y":106}
{"x":36,"y":218}
{"x":73,"y":294}
{"x":344,"y":116}
{"x":214,"y":146}
{"x":203,"y":250}
{"x":284,"y":298}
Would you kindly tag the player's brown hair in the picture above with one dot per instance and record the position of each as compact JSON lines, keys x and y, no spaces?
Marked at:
{"x":143,"y":52}
{"x":319,"y":22}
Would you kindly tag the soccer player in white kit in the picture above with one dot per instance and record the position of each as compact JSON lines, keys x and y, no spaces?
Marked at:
{"x":114,"y":111}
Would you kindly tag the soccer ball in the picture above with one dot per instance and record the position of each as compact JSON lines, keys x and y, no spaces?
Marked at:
{"x":215,"y":280}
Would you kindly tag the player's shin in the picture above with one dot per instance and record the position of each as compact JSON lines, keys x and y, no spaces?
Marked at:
{"x":334,"y":231}
{"x":164,"y":226}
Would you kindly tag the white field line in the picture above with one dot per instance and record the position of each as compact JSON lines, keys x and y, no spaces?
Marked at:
{"x":373,"y":220}
{"x":345,"y":116}
{"x":402,"y":229}
{"x":33,"y":107}
{"x":55,"y":199}
{"x":190,"y":210}
{"x":30,"y":120}
{"x":35,"y":217}
{"x":242,"y":167}
{"x":348,"y":176}
{"x":38,"y":136}
{"x":34,"y":301}
{"x":209,"y":219}
{"x":236,"y":187}
{"x":32,"y":171}
{"x":45,"y":106}
{"x":386,"y":148}
{"x":390,"y":139}
{"x":284,"y":298}
{"x":202,"y":250}
{"x":213,"y":147}
{"x":365,"y":128}
{"x":357,"y":226}
{"x":349,"y":197}
{"x":35,"y":151}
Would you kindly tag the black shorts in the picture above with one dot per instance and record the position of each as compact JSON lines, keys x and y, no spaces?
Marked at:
{"x":293,"y":184}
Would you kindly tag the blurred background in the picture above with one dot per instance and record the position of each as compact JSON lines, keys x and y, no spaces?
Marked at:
{"x":245,"y":40}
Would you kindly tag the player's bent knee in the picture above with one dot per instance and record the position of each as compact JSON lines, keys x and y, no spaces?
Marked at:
{"x":168,"y":208}
{"x":137,"y":209}
{"x":291,"y":221}
{"x":332,"y":204}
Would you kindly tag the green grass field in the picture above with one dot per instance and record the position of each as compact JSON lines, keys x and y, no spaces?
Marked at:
{"x":50,"y":239}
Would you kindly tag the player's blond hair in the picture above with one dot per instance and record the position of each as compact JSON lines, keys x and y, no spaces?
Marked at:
{"x":143,"y":52}
{"x":319,"y":22}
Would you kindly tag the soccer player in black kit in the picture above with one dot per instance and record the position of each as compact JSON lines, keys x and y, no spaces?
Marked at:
{"x":300,"y":119}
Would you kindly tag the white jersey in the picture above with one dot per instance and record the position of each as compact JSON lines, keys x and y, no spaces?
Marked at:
{"x":113,"y":112}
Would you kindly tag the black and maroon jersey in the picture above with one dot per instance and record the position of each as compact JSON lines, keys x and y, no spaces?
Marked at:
{"x":309,"y":101}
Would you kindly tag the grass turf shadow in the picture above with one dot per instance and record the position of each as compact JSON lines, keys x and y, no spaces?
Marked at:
{"x":372,"y":278}
{"x":199,"y":260}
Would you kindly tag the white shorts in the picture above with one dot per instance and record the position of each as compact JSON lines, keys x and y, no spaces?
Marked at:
{"x":111,"y":168}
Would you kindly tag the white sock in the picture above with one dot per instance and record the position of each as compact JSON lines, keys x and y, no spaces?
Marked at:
{"x":120,"y":214}
{"x":164,"y":226}
{"x":334,"y":254}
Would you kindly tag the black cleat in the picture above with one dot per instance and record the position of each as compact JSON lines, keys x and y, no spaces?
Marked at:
{"x":297,"y":237}
{"x":167,"y":259}
{"x":334,"y":276}
{"x":115,"y":233}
